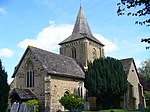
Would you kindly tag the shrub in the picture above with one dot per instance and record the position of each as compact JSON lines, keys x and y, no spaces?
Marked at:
{"x":71,"y":101}
{"x":147,"y":109}
{"x":147,"y":97}
{"x":35,"y":103}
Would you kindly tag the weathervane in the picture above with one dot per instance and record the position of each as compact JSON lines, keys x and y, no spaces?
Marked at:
{"x":80,"y":2}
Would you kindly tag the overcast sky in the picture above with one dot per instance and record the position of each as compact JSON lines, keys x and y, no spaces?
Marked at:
{"x":45,"y":23}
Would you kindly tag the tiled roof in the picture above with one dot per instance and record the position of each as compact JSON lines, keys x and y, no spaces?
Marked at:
{"x":81,"y":30}
{"x":23,"y":94}
{"x":126,"y":64}
{"x":58,"y":64}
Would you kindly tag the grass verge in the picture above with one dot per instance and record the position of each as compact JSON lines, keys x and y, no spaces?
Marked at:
{"x":113,"y":110}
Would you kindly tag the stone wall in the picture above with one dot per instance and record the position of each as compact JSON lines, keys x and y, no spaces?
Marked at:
{"x":84,"y":51}
{"x":134,"y":81}
{"x":58,"y":87}
{"x":39,"y":74}
{"x":99,"y":50}
{"x":48,"y":88}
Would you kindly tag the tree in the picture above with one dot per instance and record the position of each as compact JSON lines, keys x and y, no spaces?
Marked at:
{"x":107,"y":81}
{"x":4,"y":89}
{"x":71,"y":101}
{"x":147,"y":98}
{"x":144,"y":70}
{"x":141,"y":9}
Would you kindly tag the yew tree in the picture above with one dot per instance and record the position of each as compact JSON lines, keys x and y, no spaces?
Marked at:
{"x":106,"y":80}
{"x":4,"y":89}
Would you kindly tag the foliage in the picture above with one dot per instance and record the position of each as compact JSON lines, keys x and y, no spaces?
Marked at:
{"x":4,"y":89}
{"x":106,"y":80}
{"x":33,"y":103}
{"x":139,"y":8}
{"x":144,"y":70}
{"x":147,"y":109}
{"x":71,"y":101}
{"x":147,"y":98}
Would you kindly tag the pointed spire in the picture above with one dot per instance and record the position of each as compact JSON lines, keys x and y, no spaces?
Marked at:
{"x":81,"y":25}
{"x":81,"y":29}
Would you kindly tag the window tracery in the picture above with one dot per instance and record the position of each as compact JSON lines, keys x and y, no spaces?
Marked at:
{"x":30,"y":75}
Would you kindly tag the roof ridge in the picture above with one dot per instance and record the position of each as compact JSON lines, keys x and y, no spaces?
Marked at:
{"x":60,"y":58}
{"x":54,"y":63}
{"x":30,"y":47}
{"x":131,"y":58}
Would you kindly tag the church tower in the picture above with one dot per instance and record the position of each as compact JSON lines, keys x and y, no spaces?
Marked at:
{"x":82,"y":45}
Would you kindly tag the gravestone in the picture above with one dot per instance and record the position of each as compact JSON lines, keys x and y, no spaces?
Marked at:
{"x":87,"y":106}
{"x":14,"y":107}
{"x":22,"y":107}
{"x":30,"y":109}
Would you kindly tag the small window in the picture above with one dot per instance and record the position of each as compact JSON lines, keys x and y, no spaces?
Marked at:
{"x":100,"y":52}
{"x":133,"y":72}
{"x":66,"y":93}
{"x":94,"y":53}
{"x":30,"y":75}
{"x":80,"y":89}
{"x":74,"y":53}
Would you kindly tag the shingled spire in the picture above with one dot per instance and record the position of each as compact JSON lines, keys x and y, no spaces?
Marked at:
{"x":81,"y":45}
{"x":81,"y":25}
{"x":81,"y":29}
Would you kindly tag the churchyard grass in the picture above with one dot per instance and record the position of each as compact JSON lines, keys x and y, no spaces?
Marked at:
{"x":113,"y":110}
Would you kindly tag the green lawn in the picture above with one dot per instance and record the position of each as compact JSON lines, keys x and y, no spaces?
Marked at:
{"x":112,"y":110}
{"x":117,"y":110}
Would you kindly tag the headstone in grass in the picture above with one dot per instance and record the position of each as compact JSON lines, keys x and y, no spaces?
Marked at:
{"x":14,"y":107}
{"x":22,"y":107}
{"x":87,"y":106}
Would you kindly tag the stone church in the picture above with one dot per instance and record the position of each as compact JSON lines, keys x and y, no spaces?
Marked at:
{"x":47,"y":76}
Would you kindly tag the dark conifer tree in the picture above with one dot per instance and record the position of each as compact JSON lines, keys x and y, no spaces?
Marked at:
{"x":107,"y":81}
{"x":4,"y":89}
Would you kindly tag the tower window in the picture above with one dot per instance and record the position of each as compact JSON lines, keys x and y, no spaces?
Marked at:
{"x":30,"y":75}
{"x":100,"y":52}
{"x":94,"y":53}
{"x":74,"y":52}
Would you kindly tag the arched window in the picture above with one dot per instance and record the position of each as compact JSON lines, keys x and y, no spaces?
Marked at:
{"x":30,"y":75}
{"x":74,"y":53}
{"x":80,"y":89}
{"x":66,"y":93}
{"x":94,"y":53}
